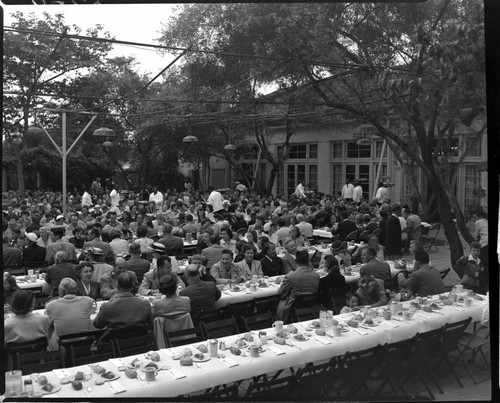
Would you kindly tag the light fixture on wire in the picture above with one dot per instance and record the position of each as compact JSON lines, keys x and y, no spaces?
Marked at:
{"x":34,"y":129}
{"x":105,"y":132}
{"x":190,"y":139}
{"x":229,"y":147}
{"x":363,"y":133}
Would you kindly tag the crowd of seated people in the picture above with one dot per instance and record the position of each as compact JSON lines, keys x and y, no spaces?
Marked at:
{"x":238,"y":234}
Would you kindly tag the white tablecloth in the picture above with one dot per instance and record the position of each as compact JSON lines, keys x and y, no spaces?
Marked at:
{"x":215,"y":371}
{"x":26,"y":285}
{"x":322,"y":233}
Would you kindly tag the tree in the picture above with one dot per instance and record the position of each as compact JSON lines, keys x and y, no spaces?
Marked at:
{"x":38,"y":58}
{"x":408,"y":69}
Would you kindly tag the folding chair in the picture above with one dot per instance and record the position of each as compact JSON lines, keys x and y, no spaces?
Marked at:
{"x":452,"y":332}
{"x":432,"y":234}
{"x":220,"y":328}
{"x":258,"y":321}
{"x":355,"y":370}
{"x":219,"y":392}
{"x":364,"y":236}
{"x":185,"y":336}
{"x":41,"y":361}
{"x":418,"y":231}
{"x":279,"y":388}
{"x":27,"y":347}
{"x":267,"y":304}
{"x":303,"y":314}
{"x":169,"y":323}
{"x":135,"y":345}
{"x":77,"y":340}
{"x":311,"y":381}
{"x":241,"y":309}
{"x":83,"y":355}
{"x":124,"y":333}
{"x":471,"y":346}
{"x":214,"y":314}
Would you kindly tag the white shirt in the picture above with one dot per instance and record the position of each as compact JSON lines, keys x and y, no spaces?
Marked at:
{"x":381,"y":195}
{"x":357,"y":193}
{"x":86,"y":199}
{"x":157,"y":198}
{"x":402,"y":221}
{"x":299,"y":191}
{"x":215,"y":200}
{"x":347,"y":191}
{"x":115,"y":198}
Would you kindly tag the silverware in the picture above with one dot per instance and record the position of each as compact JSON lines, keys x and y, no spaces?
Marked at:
{"x":139,"y":378}
{"x":197,"y":366}
{"x":89,"y":391}
{"x":367,"y":328}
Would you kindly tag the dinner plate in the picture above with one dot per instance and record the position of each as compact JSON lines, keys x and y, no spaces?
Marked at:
{"x":206,"y":357}
{"x":56,"y":389}
{"x":86,"y":377}
{"x":238,"y":289}
{"x":111,"y":379}
{"x":261,"y":349}
{"x":374,"y":324}
{"x":243,"y":346}
{"x":263,"y":285}
{"x":301,"y":337}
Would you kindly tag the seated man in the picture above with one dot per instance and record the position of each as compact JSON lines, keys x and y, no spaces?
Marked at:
{"x":202,"y":294}
{"x":289,"y":262}
{"x":302,"y":281}
{"x":125,"y":309}
{"x":424,"y":280}
{"x":109,"y":282}
{"x":171,"y":303}
{"x":151,"y":281}
{"x":137,"y":264}
{"x":69,"y":313}
{"x":376,"y":268}
{"x":226,"y":271}
{"x":337,"y":249}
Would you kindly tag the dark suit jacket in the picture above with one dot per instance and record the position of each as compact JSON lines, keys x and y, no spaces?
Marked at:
{"x":202,"y":295}
{"x":97,"y":243}
{"x":95,"y":289}
{"x":344,"y":228}
{"x":34,"y":253}
{"x":213,"y":254}
{"x":173,"y":244}
{"x":11,"y":256}
{"x":57,"y":272}
{"x":138,"y":266}
{"x":272,"y":267}
{"x":393,"y":236}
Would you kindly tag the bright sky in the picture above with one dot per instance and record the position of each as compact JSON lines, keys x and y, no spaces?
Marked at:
{"x":128,"y":22}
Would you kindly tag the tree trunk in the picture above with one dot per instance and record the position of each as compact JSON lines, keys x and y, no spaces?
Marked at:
{"x":20,"y":173}
{"x":461,"y":224}
{"x":272,"y":178}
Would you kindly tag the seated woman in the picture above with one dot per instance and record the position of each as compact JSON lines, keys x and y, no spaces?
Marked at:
{"x":331,"y":282}
{"x":351,"y":303}
{"x":227,"y":240}
{"x":272,"y":265}
{"x":239,"y":256}
{"x":25,"y":326}
{"x":252,"y":239}
{"x":296,"y":236}
{"x":371,"y":291}
{"x":172,"y":303}
{"x":85,"y":286}
{"x":77,"y":239}
{"x":250,"y":267}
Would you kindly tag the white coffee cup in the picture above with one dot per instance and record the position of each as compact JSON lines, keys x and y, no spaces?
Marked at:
{"x":278,"y":326}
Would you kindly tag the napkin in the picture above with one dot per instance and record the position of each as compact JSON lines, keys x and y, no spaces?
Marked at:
{"x":229,"y":362}
{"x":391,"y":324}
{"x":61,"y":373}
{"x":359,"y":331}
{"x":457,"y":309}
{"x":115,"y":387}
{"x":176,"y":373}
{"x":423,"y":316}
{"x":275,"y":350}
{"x":323,"y":340}
{"x":117,"y":362}
{"x":168,"y":352}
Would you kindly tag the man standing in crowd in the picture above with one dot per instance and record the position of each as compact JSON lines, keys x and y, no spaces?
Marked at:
{"x":32,"y":253}
{"x":481,"y":227}
{"x":96,"y":189}
{"x":56,"y":235}
{"x":202,"y":294}
{"x":156,"y":197}
{"x":357,"y":194}
{"x":136,"y":264}
{"x":216,"y":200}
{"x":299,"y":190}
{"x":393,"y":235}
{"x":61,"y":269}
{"x":347,"y":190}
{"x":125,"y":309}
{"x":114,"y":196}
{"x":382,"y":194}
{"x":86,"y":198}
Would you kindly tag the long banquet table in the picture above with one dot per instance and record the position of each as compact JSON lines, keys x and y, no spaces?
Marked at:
{"x":174,"y":379}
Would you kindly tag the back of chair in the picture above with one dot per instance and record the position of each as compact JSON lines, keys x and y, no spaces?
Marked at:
{"x":267,"y":304}
{"x":416,"y":234}
{"x":14,"y":270}
{"x":452,"y":332}
{"x":364,"y":236}
{"x":303,"y":314}
{"x":186,"y":336}
{"x":280,"y":388}
{"x":77,"y":340}
{"x":426,"y":345}
{"x":353,"y":236}
{"x":135,"y":345}
{"x":241,"y":309}
{"x":214,"y":314}
{"x":220,"y":328}
{"x":169,"y":323}
{"x":27,"y":347}
{"x":82,"y":355}
{"x":124,"y":332}
{"x":444,"y":273}
{"x":257,"y":322}
{"x":42,"y":361}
